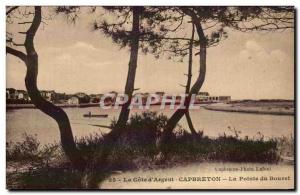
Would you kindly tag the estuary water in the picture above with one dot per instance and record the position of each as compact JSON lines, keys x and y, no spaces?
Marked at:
{"x":212,"y":123}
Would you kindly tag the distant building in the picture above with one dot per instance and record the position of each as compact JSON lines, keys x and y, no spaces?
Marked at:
{"x":48,"y":95}
{"x":203,"y":94}
{"x":213,"y":99}
{"x":78,"y":98}
{"x":219,"y":98}
{"x":205,"y":97}
{"x":14,"y":96}
{"x":11,"y":93}
{"x":22,"y":95}
{"x":95,"y":98}
{"x":60,"y":98}
{"x":224,"y":98}
{"x":83,"y":97}
{"x":74,"y":100}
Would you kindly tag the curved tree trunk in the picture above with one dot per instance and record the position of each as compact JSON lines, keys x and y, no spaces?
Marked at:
{"x":129,"y":87}
{"x":189,"y":80}
{"x":31,"y":61}
{"x":172,"y":122}
{"x":190,"y":123}
{"x":189,"y":75}
{"x":112,"y":136}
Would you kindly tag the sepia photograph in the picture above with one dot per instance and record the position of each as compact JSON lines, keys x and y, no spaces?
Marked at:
{"x":150,"y":97}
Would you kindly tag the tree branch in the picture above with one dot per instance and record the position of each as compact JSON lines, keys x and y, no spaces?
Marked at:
{"x":11,"y":9}
{"x":16,"y":53}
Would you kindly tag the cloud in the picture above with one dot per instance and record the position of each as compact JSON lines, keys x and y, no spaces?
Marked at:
{"x":83,"y":46}
{"x":252,"y":50}
{"x":252,"y":45}
{"x":265,"y":71}
{"x":82,"y":54}
{"x":255,"y":52}
{"x":75,"y":47}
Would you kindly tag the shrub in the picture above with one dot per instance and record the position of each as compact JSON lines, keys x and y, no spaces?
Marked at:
{"x":27,"y":150}
{"x":227,"y":148}
{"x":30,"y":151}
{"x":90,"y":146}
{"x":285,"y":146}
{"x":141,"y":133}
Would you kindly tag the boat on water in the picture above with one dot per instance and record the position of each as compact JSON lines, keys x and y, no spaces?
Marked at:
{"x":95,"y":115}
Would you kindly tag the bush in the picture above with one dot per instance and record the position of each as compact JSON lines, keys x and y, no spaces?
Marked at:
{"x":141,"y":133}
{"x":30,"y":151}
{"x":90,"y":146}
{"x":227,"y":148}
{"x":285,"y":146}
{"x":26,"y":150}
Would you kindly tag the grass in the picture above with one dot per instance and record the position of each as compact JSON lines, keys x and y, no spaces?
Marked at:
{"x":136,"y":148}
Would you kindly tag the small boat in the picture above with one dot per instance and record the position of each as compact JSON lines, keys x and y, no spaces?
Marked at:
{"x":95,"y":115}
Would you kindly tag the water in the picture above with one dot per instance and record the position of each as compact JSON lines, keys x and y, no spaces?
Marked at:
{"x":213,"y":123}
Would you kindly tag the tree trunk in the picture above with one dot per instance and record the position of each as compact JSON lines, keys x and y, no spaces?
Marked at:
{"x":189,"y":75}
{"x":53,"y":111}
{"x":129,"y":87}
{"x":31,"y":61}
{"x":190,"y":123}
{"x":189,"y":80}
{"x":175,"y":118}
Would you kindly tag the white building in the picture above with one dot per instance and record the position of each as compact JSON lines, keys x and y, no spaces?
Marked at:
{"x":205,"y":97}
{"x":74,"y":100}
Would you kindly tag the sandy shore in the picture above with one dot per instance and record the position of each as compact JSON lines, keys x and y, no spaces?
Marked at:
{"x":254,"y":107}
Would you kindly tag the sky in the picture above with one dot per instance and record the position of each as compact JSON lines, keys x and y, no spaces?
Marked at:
{"x":74,"y":58}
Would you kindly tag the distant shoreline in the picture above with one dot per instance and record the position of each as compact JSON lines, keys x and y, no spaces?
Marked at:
{"x":83,"y":105}
{"x":256,"y":107}
{"x":22,"y":106}
{"x":273,"y":107}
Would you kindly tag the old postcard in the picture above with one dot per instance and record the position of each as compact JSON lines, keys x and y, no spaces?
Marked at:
{"x":150,"y":97}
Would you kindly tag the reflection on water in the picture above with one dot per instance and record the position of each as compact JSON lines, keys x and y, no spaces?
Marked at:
{"x":213,"y":123}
